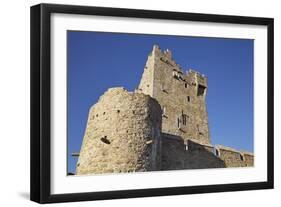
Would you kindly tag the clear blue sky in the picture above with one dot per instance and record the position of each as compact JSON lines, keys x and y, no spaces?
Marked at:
{"x":98,"y":61}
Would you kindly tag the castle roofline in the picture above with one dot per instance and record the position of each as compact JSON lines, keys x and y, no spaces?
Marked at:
{"x":117,"y":88}
{"x":221,"y":147}
{"x":179,"y":138}
{"x":168,"y":54}
{"x":121,"y":90}
{"x":195,"y":71}
{"x":247,"y":153}
{"x":233,"y":150}
{"x":200,"y":143}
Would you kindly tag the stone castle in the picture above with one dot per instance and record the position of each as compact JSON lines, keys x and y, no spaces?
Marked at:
{"x":162,"y":125}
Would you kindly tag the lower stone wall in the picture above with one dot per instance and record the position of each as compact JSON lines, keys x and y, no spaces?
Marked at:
{"x":172,"y":153}
{"x":249,"y":159}
{"x":201,"y":156}
{"x":234,"y":158}
{"x":177,"y":155}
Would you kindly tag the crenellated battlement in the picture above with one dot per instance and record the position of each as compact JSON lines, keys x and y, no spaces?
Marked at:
{"x":233,"y":157}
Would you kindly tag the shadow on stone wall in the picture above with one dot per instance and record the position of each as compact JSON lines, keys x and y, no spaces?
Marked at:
{"x":177,"y":154}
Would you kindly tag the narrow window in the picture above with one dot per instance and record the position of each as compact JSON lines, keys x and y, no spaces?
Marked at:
{"x":179,"y":122}
{"x":217,"y":152}
{"x":201,"y":90}
{"x":185,"y":85}
{"x":184,"y":117}
{"x":241,"y":157}
{"x":188,"y":98}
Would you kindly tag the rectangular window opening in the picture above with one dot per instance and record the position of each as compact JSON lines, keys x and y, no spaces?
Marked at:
{"x":216,"y":152}
{"x":201,"y":90}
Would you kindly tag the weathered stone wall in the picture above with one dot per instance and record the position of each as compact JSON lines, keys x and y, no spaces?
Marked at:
{"x":178,"y":154}
{"x":181,"y":96}
{"x":248,"y":158}
{"x":122,"y":134}
{"x":146,"y":83}
{"x":234,"y":158}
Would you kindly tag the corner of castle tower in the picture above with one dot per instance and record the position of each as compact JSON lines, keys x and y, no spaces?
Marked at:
{"x":155,"y":48}
{"x":200,"y":78}
{"x":168,"y":53}
{"x":115,"y":89}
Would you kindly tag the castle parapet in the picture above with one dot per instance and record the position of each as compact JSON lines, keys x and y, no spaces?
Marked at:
{"x":189,"y":154}
{"x":233,"y":157}
{"x":198,"y":78}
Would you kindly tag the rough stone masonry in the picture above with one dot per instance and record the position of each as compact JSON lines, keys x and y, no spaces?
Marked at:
{"x":162,"y":125}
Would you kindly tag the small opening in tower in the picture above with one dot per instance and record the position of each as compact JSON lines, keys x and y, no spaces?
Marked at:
{"x":188,"y":98}
{"x":185,"y":85}
{"x":103,"y":113}
{"x":241,"y":157}
{"x":217,"y":152}
{"x":184,"y":119}
{"x":105,"y":140}
{"x":175,"y":74}
{"x":201,"y":90}
{"x":179,"y":122}
{"x":118,"y":111}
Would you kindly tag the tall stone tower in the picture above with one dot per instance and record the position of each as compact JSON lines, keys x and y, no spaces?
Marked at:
{"x":181,"y":96}
{"x":123,"y":134}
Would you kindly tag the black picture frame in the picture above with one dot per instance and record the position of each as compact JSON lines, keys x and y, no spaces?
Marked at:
{"x":41,"y":98}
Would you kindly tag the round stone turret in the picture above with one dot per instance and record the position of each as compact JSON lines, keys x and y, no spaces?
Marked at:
{"x":123,"y":134}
